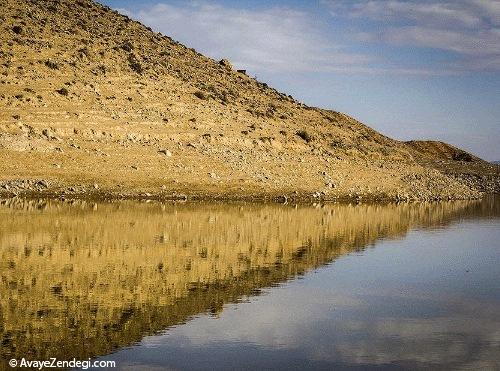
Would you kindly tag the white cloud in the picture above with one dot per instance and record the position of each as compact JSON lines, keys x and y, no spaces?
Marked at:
{"x":281,"y":39}
{"x":275,"y":39}
{"x":435,"y":13}
{"x":477,"y":44}
{"x":490,"y":9}
{"x":469,"y":28}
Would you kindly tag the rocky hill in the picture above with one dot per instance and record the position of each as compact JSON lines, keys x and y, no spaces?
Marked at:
{"x":457,"y":164}
{"x":434,"y":150}
{"x":93,"y":103}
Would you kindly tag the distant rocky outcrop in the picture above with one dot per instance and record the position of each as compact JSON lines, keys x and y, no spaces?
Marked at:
{"x":441,"y":151}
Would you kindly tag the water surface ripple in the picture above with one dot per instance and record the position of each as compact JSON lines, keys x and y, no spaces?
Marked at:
{"x":225,"y":286}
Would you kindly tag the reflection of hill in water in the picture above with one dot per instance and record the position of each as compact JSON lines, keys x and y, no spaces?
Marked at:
{"x":81,"y":280}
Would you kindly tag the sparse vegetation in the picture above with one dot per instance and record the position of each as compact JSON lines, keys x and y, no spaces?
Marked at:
{"x":127,"y":46}
{"x":84,"y":51}
{"x":134,"y":64}
{"x":51,"y":64}
{"x":63,"y":91}
{"x":462,"y":156}
{"x":305,"y":135}
{"x":201,"y":95}
{"x":337,"y":143}
{"x":225,"y":63}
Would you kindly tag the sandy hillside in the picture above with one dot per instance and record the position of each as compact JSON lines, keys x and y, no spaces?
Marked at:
{"x":93,"y":103}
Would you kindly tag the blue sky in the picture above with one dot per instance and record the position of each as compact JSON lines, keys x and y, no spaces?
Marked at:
{"x":411,"y":69}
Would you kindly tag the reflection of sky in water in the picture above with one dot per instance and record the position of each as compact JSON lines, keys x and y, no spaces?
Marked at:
{"x":430,"y":300}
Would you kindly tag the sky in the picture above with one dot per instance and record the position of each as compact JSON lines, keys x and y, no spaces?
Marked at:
{"x":414,"y":69}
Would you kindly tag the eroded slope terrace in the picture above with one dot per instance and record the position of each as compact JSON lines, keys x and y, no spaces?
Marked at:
{"x":94,"y":103}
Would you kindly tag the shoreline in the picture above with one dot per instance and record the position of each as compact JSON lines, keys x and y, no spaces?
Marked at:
{"x":102,"y":189}
{"x":278,"y":198}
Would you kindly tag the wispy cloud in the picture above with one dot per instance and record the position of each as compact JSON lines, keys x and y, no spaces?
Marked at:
{"x":424,"y":12}
{"x":282,"y":39}
{"x":270,"y":39}
{"x":468,"y":28}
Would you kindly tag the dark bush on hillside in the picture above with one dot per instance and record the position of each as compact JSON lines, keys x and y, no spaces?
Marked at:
{"x":462,"y":156}
{"x":51,"y":64}
{"x":63,"y":91}
{"x":127,"y":46}
{"x":305,"y":135}
{"x":134,"y":64}
{"x":201,"y":95}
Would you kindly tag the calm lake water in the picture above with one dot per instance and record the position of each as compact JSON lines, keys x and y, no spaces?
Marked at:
{"x":242,"y":286}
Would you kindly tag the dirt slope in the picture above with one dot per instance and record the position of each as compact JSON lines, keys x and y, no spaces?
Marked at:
{"x":93,"y":103}
{"x":434,"y":150}
{"x":457,"y":164}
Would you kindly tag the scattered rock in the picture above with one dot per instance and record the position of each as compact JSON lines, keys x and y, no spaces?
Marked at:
{"x":127,"y":46}
{"x":201,"y":95}
{"x":165,"y":152}
{"x":63,"y":91}
{"x":225,"y":63}
{"x":134,"y":63}
{"x":18,"y":186}
{"x":43,"y":183}
{"x":50,"y":134}
{"x":17,"y":29}
{"x":305,"y":135}
{"x":51,"y":64}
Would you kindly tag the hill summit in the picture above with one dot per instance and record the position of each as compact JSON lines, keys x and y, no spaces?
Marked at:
{"x":96,"y":104}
